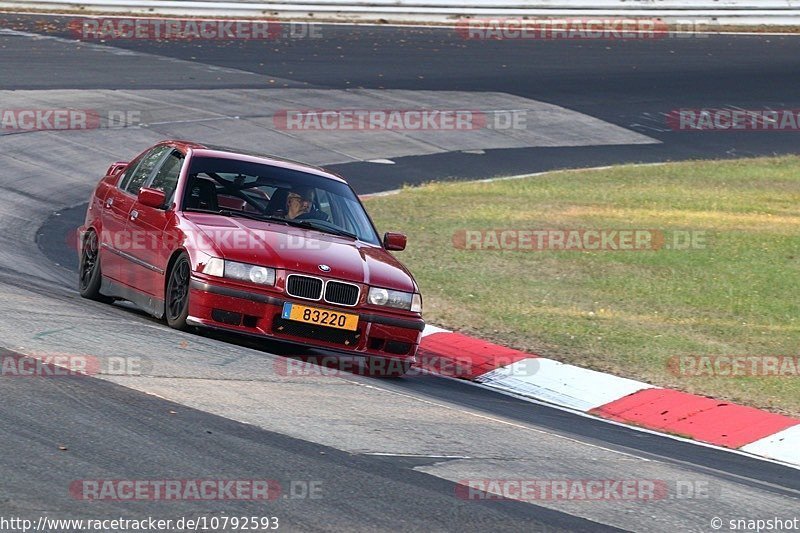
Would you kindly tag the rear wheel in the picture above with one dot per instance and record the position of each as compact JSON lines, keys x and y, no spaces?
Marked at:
{"x":177,"y":294}
{"x":89,"y":275}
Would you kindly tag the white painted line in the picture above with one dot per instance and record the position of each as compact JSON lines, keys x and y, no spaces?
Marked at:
{"x":105,"y":48}
{"x":429,"y":330}
{"x":521,"y":176}
{"x":782,"y":446}
{"x":379,"y":194}
{"x":554,"y":382}
{"x":422,"y":455}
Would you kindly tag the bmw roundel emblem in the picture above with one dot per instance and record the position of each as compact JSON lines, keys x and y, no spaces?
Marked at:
{"x":325,"y":268}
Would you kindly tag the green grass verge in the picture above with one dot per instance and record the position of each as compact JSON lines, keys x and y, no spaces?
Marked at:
{"x":622,"y":312}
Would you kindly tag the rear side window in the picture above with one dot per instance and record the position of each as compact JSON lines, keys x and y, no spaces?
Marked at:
{"x":136,"y":180}
{"x":129,"y":170}
{"x":166,"y":178}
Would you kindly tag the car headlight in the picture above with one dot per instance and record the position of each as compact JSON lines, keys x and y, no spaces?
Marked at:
{"x":240,"y":271}
{"x":397,"y":299}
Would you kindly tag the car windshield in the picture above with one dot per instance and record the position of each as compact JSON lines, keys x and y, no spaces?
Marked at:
{"x":240,"y":188}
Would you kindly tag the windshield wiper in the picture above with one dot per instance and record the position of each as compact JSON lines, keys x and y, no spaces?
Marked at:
{"x":253,"y":216}
{"x":243,"y":214}
{"x":322,"y":226}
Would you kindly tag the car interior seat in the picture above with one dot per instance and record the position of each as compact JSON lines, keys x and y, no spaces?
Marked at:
{"x":202,"y":195}
{"x":277,"y":203}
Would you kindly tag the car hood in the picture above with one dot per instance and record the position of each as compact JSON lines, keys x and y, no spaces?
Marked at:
{"x":301,"y":250}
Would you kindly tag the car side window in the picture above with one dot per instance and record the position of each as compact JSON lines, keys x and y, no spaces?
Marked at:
{"x":143,"y":170}
{"x":128,"y":172}
{"x":166,"y":178}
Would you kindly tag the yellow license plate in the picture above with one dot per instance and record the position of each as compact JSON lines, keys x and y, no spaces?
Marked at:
{"x":322,"y":317}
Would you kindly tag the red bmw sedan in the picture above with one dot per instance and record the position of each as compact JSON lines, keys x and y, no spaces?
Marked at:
{"x":211,"y":237}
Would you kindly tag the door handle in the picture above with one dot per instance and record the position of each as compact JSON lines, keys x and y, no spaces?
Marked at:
{"x":134,"y":214}
{"x":109,"y":202}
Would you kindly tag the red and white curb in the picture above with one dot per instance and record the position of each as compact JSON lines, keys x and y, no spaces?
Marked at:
{"x":769,"y":435}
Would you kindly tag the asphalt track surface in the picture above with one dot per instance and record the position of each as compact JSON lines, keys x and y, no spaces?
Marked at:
{"x":387,"y":452}
{"x":627,"y":83}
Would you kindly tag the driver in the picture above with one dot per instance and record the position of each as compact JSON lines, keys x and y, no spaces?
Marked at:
{"x":298,"y":201}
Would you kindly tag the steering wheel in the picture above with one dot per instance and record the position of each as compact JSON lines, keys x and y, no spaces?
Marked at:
{"x":313,"y":215}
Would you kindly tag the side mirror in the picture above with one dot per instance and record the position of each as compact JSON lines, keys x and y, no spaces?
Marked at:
{"x":152,"y":197}
{"x":115,"y":168}
{"x":394,"y":241}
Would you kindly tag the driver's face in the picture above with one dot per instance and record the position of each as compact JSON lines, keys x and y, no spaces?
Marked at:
{"x":297,"y":205}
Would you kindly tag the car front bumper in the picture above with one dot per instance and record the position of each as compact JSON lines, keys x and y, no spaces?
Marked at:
{"x":222,"y":306}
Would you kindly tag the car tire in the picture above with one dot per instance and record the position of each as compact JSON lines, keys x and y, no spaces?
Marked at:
{"x":89,"y":275}
{"x":176,"y":297}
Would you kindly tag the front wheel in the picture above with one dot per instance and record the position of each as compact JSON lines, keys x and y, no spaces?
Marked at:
{"x":177,"y":293}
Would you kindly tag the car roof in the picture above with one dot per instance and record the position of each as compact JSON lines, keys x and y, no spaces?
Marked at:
{"x":209,"y":150}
